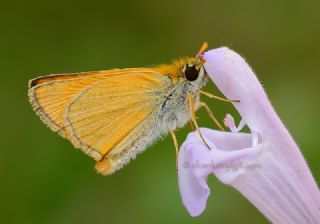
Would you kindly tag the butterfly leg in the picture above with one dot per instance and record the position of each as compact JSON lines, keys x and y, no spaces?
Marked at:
{"x":191,"y":125}
{"x":176,"y":145}
{"x":212,"y":96}
{"x":193,"y":118}
{"x":211,"y":115}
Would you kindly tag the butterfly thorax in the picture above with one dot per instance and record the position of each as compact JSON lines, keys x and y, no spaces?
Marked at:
{"x":187,"y":76}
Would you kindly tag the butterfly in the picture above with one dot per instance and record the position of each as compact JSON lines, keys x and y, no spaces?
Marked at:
{"x":113,"y":115}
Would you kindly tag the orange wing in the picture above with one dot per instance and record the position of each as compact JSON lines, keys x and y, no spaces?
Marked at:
{"x":96,"y":110}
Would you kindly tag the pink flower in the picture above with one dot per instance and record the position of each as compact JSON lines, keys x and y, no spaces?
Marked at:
{"x":266,"y":166}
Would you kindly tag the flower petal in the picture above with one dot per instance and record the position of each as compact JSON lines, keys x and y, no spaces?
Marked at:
{"x":193,"y":189}
{"x":236,"y":80}
{"x":196,"y":162}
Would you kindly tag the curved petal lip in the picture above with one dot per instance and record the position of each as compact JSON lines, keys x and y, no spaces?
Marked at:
{"x":196,"y":162}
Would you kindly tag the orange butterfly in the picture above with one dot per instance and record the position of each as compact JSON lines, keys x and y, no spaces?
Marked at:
{"x":113,"y":115}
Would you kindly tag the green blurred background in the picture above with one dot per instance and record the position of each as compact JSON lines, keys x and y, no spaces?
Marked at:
{"x":45,"y":180}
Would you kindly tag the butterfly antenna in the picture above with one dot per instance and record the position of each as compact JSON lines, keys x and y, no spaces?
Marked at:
{"x":203,"y":47}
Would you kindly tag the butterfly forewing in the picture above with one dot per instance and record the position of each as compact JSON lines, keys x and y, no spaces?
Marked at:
{"x":95,"y":112}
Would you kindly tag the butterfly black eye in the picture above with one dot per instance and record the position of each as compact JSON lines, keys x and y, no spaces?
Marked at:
{"x":191,"y":73}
